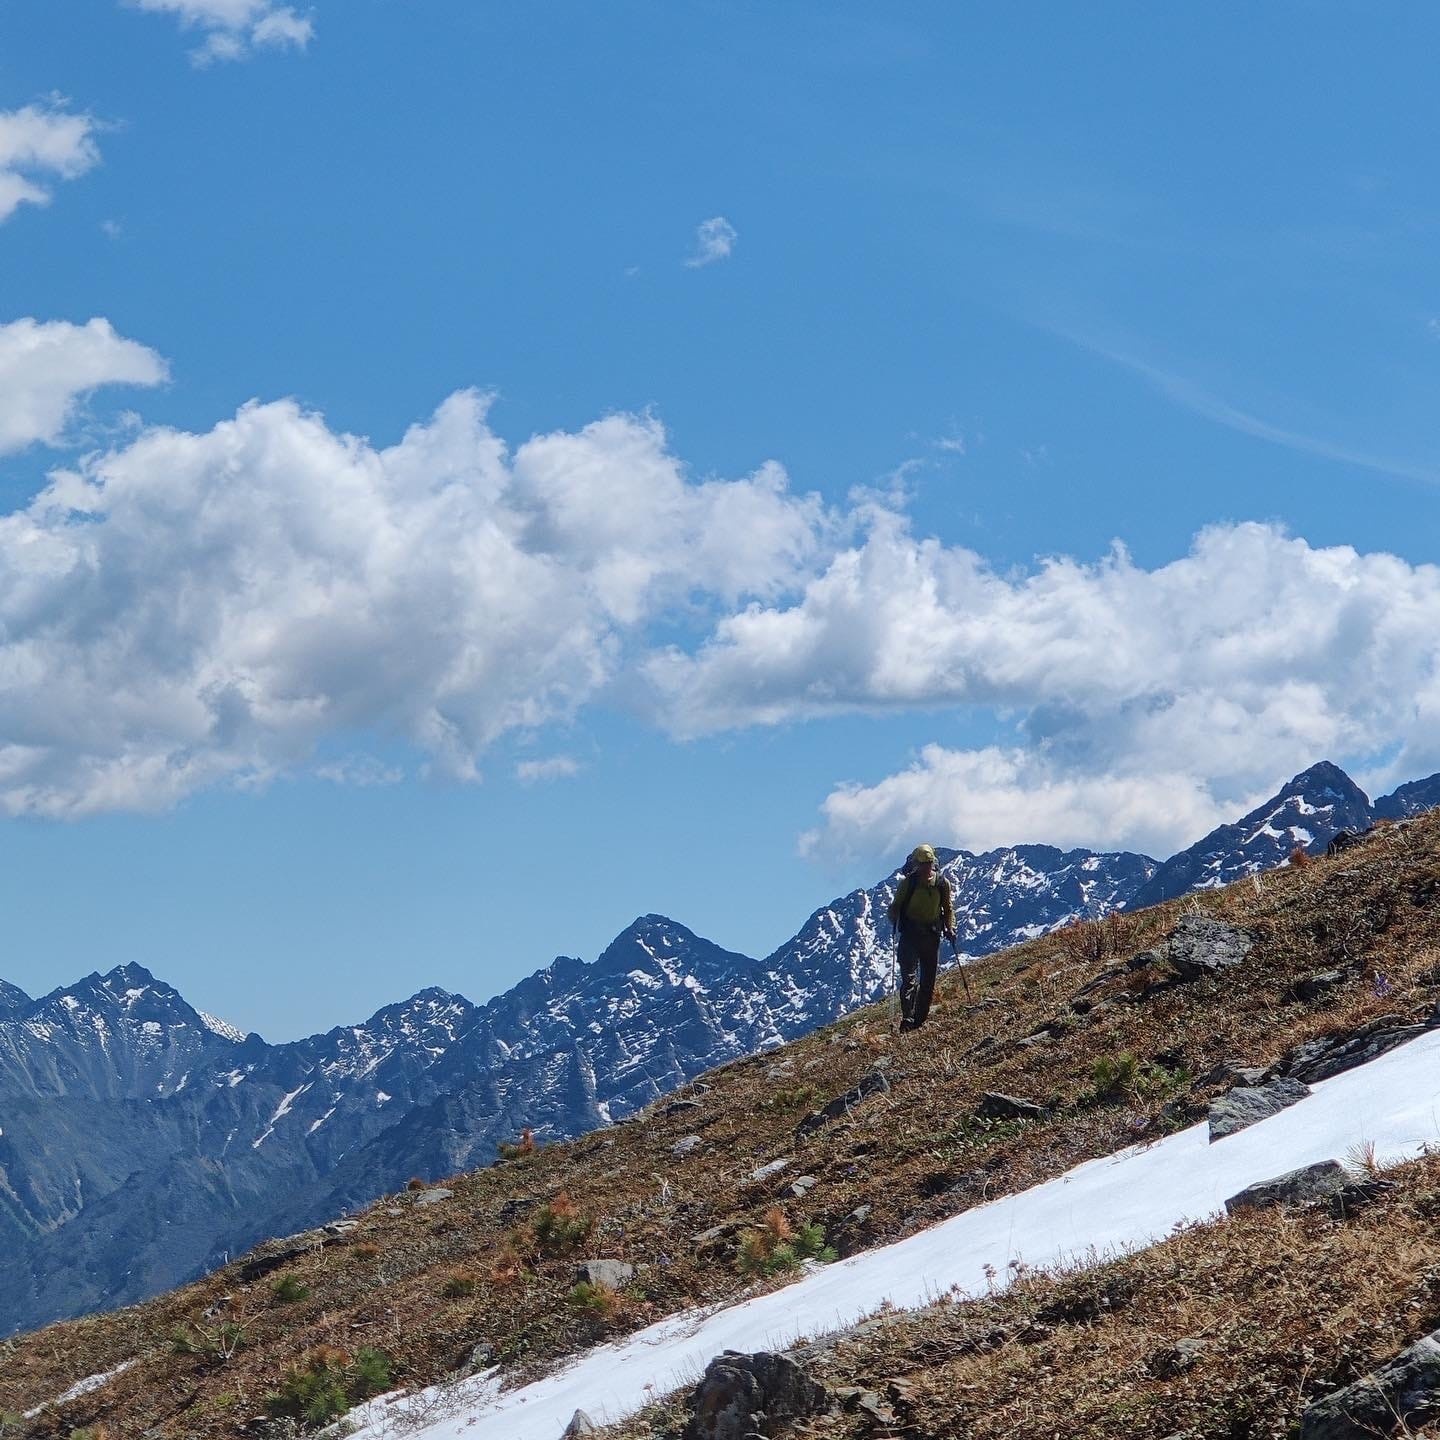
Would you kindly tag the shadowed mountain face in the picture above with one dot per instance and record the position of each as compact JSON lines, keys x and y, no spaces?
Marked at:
{"x":142,"y":1141}
{"x":1409,"y":799}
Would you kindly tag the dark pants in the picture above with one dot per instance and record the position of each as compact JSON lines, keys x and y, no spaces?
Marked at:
{"x":919,"y":960}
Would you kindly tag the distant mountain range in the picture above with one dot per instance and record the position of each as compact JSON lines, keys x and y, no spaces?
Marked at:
{"x":142,"y":1141}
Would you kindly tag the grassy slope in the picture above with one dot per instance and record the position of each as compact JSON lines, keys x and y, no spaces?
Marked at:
{"x":1274,"y":1307}
{"x":426,"y":1285}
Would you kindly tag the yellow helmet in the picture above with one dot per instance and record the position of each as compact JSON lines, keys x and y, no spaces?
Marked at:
{"x":923,"y":855}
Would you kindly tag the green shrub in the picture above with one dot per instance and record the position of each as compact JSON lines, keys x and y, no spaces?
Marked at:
{"x":459,"y":1284}
{"x":371,"y":1373}
{"x":558,"y":1226}
{"x":795,"y":1097}
{"x":810,"y":1244}
{"x":597,"y":1300}
{"x":328,"y":1383}
{"x":1123,"y":1077}
{"x":289,"y":1288}
{"x":777,"y":1247}
{"x":217,"y":1342}
{"x":1114,"y":1075}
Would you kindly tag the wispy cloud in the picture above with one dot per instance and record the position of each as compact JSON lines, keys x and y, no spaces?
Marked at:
{"x":235,"y":29}
{"x":714,"y":240}
{"x":1200,"y":401}
{"x":40,"y":142}
{"x":557,"y":767}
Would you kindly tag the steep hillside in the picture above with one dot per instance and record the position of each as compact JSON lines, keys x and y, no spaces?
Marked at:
{"x":235,"y":1139}
{"x":1113,"y":1031}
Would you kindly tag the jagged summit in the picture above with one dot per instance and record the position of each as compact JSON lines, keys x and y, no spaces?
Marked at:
{"x":1306,"y":813}
{"x":1411,"y":799}
{"x":13,"y":1000}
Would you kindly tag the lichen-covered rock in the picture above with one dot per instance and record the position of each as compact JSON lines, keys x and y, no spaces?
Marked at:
{"x":1308,"y":1185}
{"x":1320,"y":1059}
{"x":1200,"y":946}
{"x":871,"y":1085}
{"x":1244,"y":1105}
{"x":994,"y":1106}
{"x":1404,"y":1391}
{"x":745,"y":1394}
{"x":615,"y":1274}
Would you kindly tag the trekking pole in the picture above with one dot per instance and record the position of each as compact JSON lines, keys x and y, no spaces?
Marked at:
{"x":955,"y":951}
{"x":894,"y":972}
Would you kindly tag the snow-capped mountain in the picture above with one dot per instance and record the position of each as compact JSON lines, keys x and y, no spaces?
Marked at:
{"x":1409,"y":799}
{"x":1306,"y":814}
{"x":124,"y":1035}
{"x":139,"y":1143}
{"x":141,"y":1140}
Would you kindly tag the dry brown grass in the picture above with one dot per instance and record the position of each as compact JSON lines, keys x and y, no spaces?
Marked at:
{"x":1276,"y":1308}
{"x":913,"y":1155}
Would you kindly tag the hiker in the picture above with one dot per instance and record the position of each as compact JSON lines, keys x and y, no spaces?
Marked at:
{"x":920,"y":913}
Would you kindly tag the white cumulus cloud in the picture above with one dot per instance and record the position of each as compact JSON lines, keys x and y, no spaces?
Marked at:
{"x":47,"y":368}
{"x":714,"y":240}
{"x":191,"y":609}
{"x":983,"y":799}
{"x":38,"y":144}
{"x":235,"y":29}
{"x":1198,"y":684}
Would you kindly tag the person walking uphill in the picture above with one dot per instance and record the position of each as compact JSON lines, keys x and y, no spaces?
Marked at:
{"x":920,"y":913}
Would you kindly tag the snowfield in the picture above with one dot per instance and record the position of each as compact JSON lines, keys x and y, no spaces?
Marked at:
{"x":1097,"y":1210}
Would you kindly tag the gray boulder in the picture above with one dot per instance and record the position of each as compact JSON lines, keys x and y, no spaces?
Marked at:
{"x":745,"y":1394}
{"x":871,"y":1085}
{"x":1234,"y":1072}
{"x":1246,"y":1104}
{"x":1404,"y":1390}
{"x":1309,"y":1185}
{"x":1202,"y":946}
{"x":580,"y":1425}
{"x":1320,"y":1059}
{"x":613,"y":1273}
{"x":1312,"y":987}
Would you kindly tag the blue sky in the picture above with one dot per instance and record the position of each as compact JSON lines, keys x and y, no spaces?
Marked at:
{"x":474,"y":473}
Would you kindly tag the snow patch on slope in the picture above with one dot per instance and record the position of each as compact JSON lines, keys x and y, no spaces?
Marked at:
{"x":1105,"y":1207}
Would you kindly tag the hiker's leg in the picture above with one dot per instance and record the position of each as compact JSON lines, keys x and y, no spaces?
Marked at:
{"x":909,"y":966}
{"x":929,"y":949}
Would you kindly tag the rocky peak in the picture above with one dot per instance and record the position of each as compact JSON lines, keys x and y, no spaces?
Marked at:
{"x":13,"y":1001}
{"x":1410,"y":799}
{"x":1325,"y":783}
{"x":1307,"y":813}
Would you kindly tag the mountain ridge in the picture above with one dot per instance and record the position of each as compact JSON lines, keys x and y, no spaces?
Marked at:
{"x":1092,"y":1043}
{"x":308,"y":1129}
